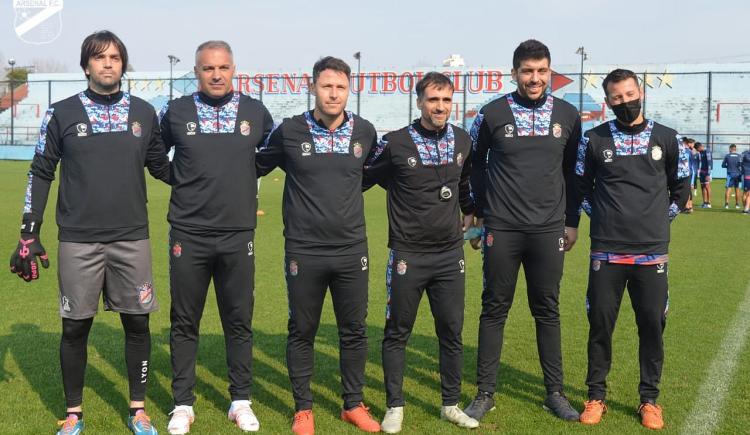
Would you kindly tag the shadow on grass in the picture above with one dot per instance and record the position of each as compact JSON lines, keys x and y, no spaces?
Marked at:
{"x":35,"y":350}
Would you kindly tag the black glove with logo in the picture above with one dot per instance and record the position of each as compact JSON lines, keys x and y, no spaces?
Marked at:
{"x":23,"y":261}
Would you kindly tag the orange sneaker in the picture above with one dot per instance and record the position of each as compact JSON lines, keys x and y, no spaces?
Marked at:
{"x":593,"y":411}
{"x":360,"y":417}
{"x":303,"y":422}
{"x":651,"y":416}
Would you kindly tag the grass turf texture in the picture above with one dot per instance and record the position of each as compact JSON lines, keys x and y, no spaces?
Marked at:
{"x":707,"y":278}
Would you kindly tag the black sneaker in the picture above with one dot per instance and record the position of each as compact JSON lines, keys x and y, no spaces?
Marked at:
{"x":558,"y":404}
{"x":482,"y":404}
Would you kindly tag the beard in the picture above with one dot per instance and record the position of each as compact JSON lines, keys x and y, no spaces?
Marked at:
{"x":106,"y":86}
{"x":436,"y":123}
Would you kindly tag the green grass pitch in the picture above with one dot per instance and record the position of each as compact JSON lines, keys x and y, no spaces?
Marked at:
{"x":708,"y":276}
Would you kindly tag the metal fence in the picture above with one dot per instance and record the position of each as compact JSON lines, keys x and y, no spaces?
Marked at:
{"x":712,"y":107}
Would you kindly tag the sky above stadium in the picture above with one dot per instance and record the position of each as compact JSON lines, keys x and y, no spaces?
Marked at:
{"x":287,"y":35}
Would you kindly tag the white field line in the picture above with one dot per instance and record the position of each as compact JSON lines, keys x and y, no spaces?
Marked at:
{"x":706,"y":413}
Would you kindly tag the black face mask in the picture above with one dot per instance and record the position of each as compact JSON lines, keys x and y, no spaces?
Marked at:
{"x":627,"y":112}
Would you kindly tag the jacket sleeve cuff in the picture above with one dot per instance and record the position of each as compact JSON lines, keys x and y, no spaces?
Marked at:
{"x":571,"y":220}
{"x":468,"y":209}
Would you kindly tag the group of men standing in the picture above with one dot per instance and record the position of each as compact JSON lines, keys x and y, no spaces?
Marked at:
{"x":442,"y":184}
{"x":737,"y":166}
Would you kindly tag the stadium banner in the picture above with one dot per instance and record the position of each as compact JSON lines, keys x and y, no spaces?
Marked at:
{"x":712,"y":107}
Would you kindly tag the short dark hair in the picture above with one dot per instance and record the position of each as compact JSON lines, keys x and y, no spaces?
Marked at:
{"x":97,"y":42}
{"x":698,"y":144}
{"x":332,"y":63}
{"x":433,"y":78}
{"x":732,"y":146}
{"x":616,"y":76}
{"x":530,"y":49}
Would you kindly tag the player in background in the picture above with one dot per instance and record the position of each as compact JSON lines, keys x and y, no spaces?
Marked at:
{"x":705,"y":164}
{"x":689,"y":145}
{"x":733,"y":164}
{"x":745,"y":166}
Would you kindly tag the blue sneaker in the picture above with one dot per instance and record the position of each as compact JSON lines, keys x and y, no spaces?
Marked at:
{"x":140,"y":424}
{"x":70,"y":426}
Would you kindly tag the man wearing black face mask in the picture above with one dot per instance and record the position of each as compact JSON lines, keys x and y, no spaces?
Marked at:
{"x":630,"y":160}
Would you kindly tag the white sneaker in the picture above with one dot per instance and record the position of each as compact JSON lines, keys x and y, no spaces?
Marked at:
{"x":455,"y":415}
{"x":392,"y":420}
{"x":182,"y":418}
{"x":243,"y":416}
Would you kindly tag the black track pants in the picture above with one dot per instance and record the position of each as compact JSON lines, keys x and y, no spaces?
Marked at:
{"x":408,"y":275}
{"x":194,"y":260}
{"x":649,"y":296}
{"x":308,"y":277}
{"x":541,"y":255}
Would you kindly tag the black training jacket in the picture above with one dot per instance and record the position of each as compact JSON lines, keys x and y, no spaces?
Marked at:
{"x":322,"y":206}
{"x":102,"y":143}
{"x":523,"y":165}
{"x":214,"y":184}
{"x":413,"y":164}
{"x":633,"y":181}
